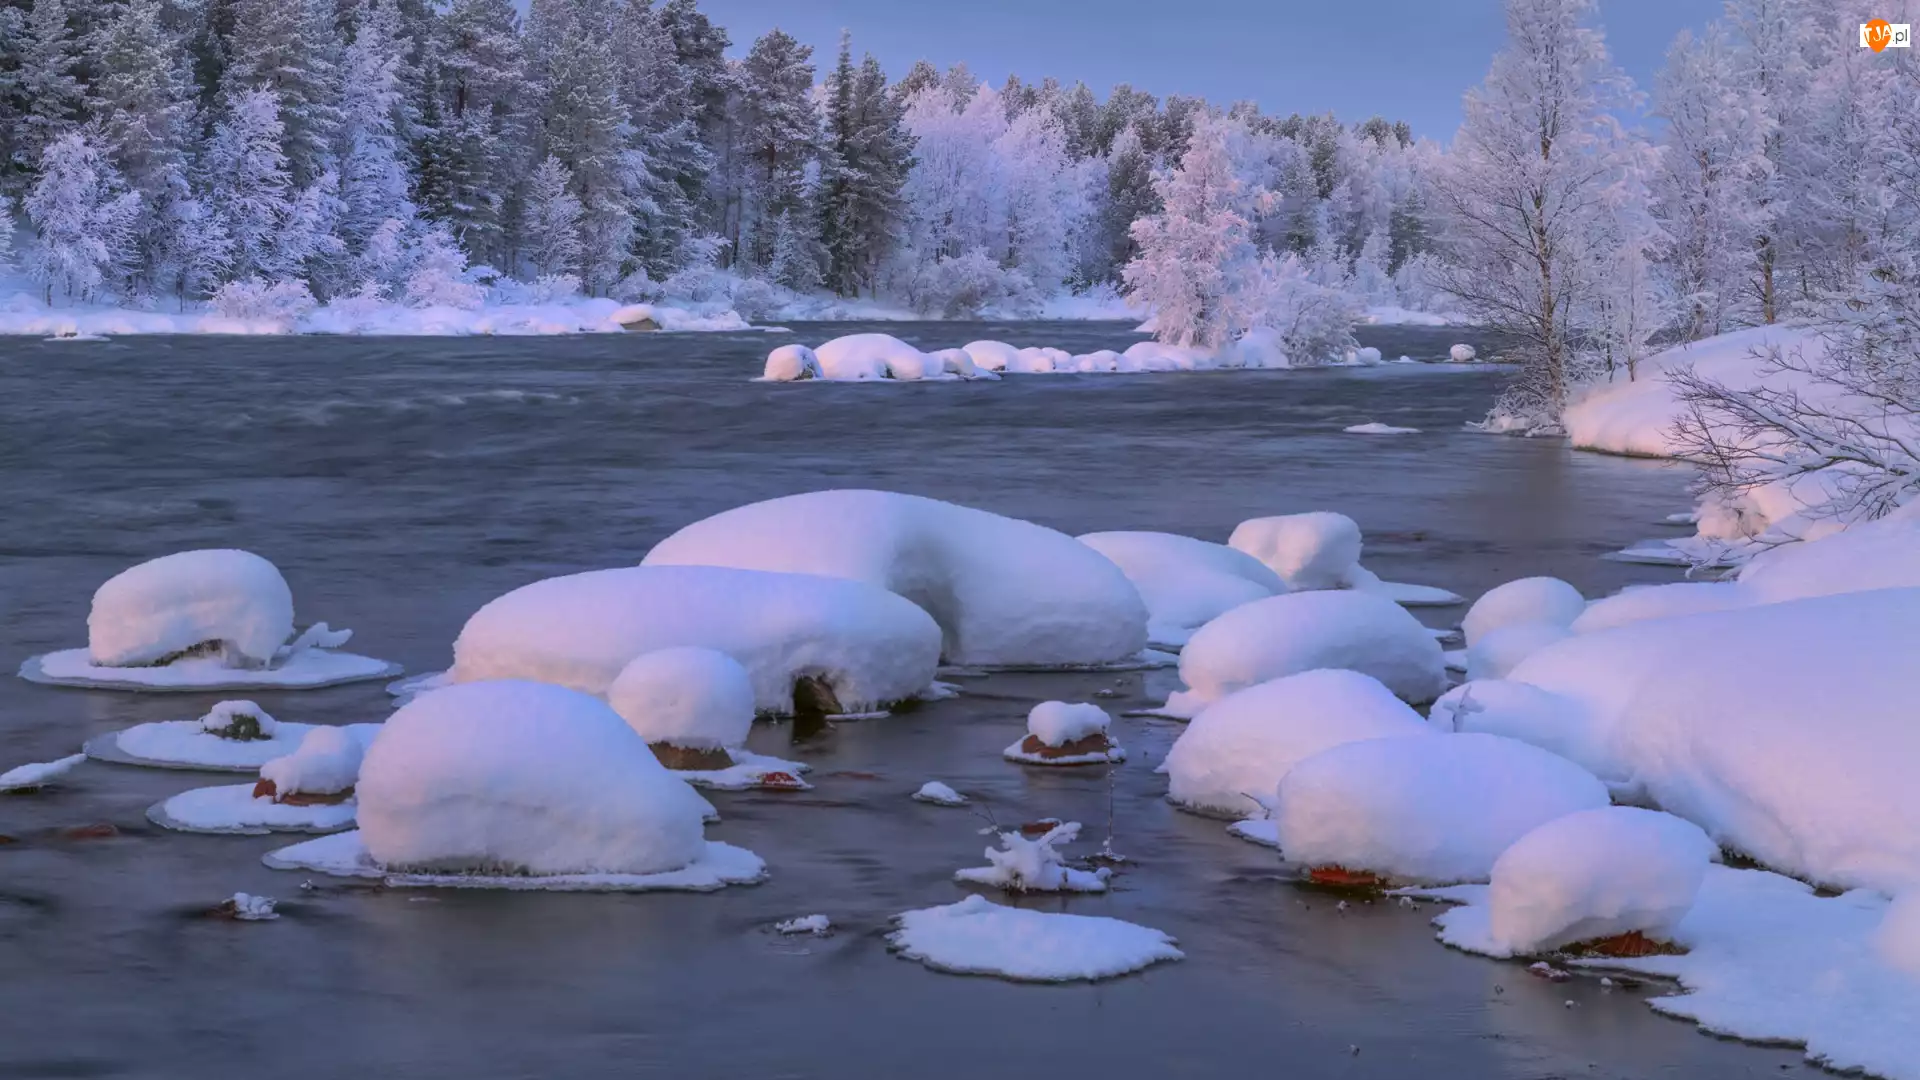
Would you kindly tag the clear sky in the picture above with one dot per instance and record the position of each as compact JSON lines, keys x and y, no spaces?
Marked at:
{"x":1404,"y":59}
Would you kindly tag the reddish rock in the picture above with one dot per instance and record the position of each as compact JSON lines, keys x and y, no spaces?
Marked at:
{"x":1626,"y":946}
{"x":1096,"y":743}
{"x":1339,"y":877}
{"x":99,"y":830}
{"x":1034,"y":830}
{"x":266,"y":789}
{"x":688,"y":759}
{"x":782,"y":781}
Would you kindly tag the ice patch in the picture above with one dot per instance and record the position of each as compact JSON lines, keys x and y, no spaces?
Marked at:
{"x":36,"y":775}
{"x":939,"y":794}
{"x":1376,"y":428}
{"x":232,"y":808}
{"x":716,"y":866}
{"x":979,"y":937}
{"x":185,"y":744}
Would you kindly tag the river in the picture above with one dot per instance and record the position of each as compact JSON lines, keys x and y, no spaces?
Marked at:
{"x":401,"y":483}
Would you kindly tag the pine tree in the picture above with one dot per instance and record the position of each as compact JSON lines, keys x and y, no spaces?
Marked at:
{"x":796,"y":255}
{"x":550,"y":233}
{"x":249,"y":188}
{"x":701,"y":49}
{"x":374,"y":181}
{"x":865,"y":166}
{"x":476,"y":145}
{"x":83,"y":218}
{"x":6,"y":234}
{"x":143,"y":101}
{"x":291,"y":49}
{"x":52,"y":92}
{"x":779,"y":131}
{"x":658,"y":92}
{"x":1130,"y":196}
{"x":583,"y":124}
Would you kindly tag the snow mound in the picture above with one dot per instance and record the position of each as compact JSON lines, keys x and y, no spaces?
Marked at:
{"x":1185,"y":583}
{"x":1462,"y":353}
{"x":862,"y":357}
{"x":36,"y":775}
{"x":1230,"y":759}
{"x":1376,"y":428}
{"x":231,"y":603}
{"x":689,"y":697}
{"x":1425,"y":811}
{"x":233,"y":809}
{"x":326,"y":763}
{"x":1640,"y":603}
{"x":1057,"y":723}
{"x":979,"y":937}
{"x":991,"y":355}
{"x":1898,"y":938}
{"x":1502,"y":649}
{"x":1286,"y":635}
{"x":1528,"y":600}
{"x":1523,"y":711}
{"x":186,"y":744}
{"x":522,"y":778}
{"x":939,"y":794}
{"x":1883,"y":554}
{"x":1004,"y":592}
{"x":868,"y":646}
{"x":791,"y":363}
{"x":1596,"y":874}
{"x":957,"y":362}
{"x":815,"y":925}
{"x":1317,"y":550}
{"x":1023,"y":865}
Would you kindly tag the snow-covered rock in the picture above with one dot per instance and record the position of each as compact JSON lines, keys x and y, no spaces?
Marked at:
{"x":240,"y":721}
{"x":860,"y":357}
{"x":1377,"y":428}
{"x":688,"y":697}
{"x":991,"y":355}
{"x":1526,"y":712}
{"x":979,"y":937}
{"x":1185,"y":583}
{"x":1317,"y":550}
{"x":326,"y":763}
{"x":1528,"y":600}
{"x":1100,"y":361}
{"x":958,"y":362}
{"x":36,"y":775}
{"x":1066,"y":733}
{"x":869,"y":646}
{"x":1898,"y":938}
{"x":1425,"y":811}
{"x":1462,"y":353}
{"x":524,"y":778}
{"x":1502,"y":649}
{"x":939,"y":794}
{"x":1286,"y":635}
{"x":1022,"y":864}
{"x":1231,"y":757}
{"x":1004,"y":592}
{"x":790,"y":363}
{"x":223,"y":602}
{"x":1596,"y":874}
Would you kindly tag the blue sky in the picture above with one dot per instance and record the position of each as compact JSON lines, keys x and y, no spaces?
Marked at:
{"x":1404,"y":59}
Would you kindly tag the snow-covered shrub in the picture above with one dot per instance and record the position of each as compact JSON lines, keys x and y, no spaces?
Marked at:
{"x":699,"y":283}
{"x":253,"y":299}
{"x":1314,"y":322}
{"x":545,"y":289}
{"x":1035,"y":865}
{"x":758,"y":298}
{"x":239,"y":721}
{"x":1234,"y":753}
{"x":964,"y":286}
{"x":438,"y":277}
{"x":231,"y":603}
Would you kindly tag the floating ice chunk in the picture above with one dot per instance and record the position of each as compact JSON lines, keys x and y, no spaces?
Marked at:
{"x":860,"y":357}
{"x":524,"y":778}
{"x":36,"y":775}
{"x":1462,"y":353}
{"x":327,"y":763}
{"x":1425,"y":811}
{"x":1317,"y":550}
{"x":234,"y":808}
{"x":1528,"y":600}
{"x":1376,"y":428}
{"x":816,"y":925}
{"x":1661,"y":602}
{"x":1004,"y":592}
{"x":979,"y":937}
{"x":1898,"y":938}
{"x":939,"y":794}
{"x":213,"y":602}
{"x":790,"y":363}
{"x":249,"y":908}
{"x":1286,"y":635}
{"x":688,"y":697}
{"x":991,"y":355}
{"x":1596,"y":874}
{"x":345,"y":855}
{"x":1502,"y":649}
{"x":186,"y":744}
{"x":1021,"y":864}
{"x":1185,"y":583}
{"x":865,"y":645}
{"x":1240,"y":747}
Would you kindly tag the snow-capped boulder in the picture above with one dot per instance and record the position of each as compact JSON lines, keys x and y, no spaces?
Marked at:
{"x":1259,"y":347}
{"x":1066,"y":733}
{"x":1286,"y":635}
{"x":37,"y":774}
{"x":1004,"y":591}
{"x":1596,"y":874}
{"x":992,"y":355}
{"x":1317,"y":550}
{"x":939,"y":794}
{"x":1462,"y":353}
{"x":1528,"y":600}
{"x":1898,"y":939}
{"x":860,"y":357}
{"x":1526,"y":712}
{"x":232,"y":604}
{"x":688,"y":703}
{"x":522,"y":777}
{"x":790,"y":363}
{"x":959,"y":363}
{"x":1502,"y":649}
{"x":1186,"y":583}
{"x":867,"y":646}
{"x":327,"y":763}
{"x":1098,"y":361}
{"x":1040,"y":361}
{"x":1424,"y":811}
{"x":1234,"y":754}
{"x":1639,"y":603}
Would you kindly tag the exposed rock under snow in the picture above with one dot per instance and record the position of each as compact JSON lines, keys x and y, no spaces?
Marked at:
{"x":939,"y":794}
{"x":327,"y":762}
{"x":234,"y":808}
{"x":815,"y":925}
{"x":1528,"y":600}
{"x":791,"y":363}
{"x":979,"y":937}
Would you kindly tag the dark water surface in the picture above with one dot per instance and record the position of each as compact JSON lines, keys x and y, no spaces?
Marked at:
{"x":402,"y":483}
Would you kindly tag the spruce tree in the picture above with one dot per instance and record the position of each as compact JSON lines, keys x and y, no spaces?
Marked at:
{"x":51,"y":90}
{"x":779,"y":133}
{"x":83,"y":219}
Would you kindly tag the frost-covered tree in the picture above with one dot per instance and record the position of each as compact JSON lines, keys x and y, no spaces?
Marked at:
{"x":779,"y":134}
{"x":1524,"y":190}
{"x":1197,"y":267}
{"x":47,"y":81}
{"x":83,"y":218}
{"x":374,"y":174}
{"x":675,"y":164}
{"x":550,"y":232}
{"x":1129,"y":197}
{"x":476,"y":144}
{"x":248,"y":186}
{"x":6,"y":234}
{"x":1709,"y":185}
{"x":1771,"y":40}
{"x":583,"y":123}
{"x":291,"y":49}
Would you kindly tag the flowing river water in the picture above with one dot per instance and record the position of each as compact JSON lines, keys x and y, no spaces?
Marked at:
{"x":401,"y":483}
